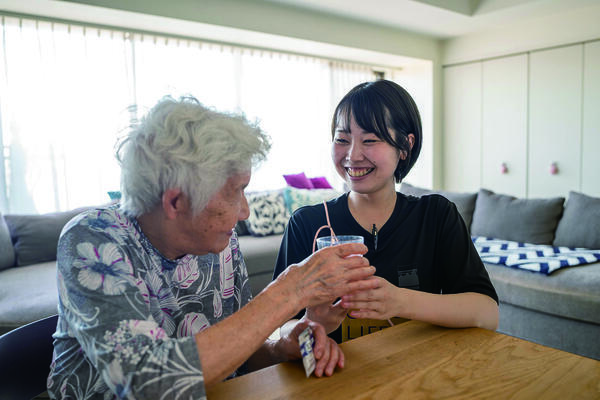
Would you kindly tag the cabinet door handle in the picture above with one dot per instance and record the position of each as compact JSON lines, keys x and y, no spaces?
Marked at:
{"x":553,"y":168}
{"x":503,"y":168}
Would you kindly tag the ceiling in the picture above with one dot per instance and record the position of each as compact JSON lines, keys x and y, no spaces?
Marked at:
{"x":440,"y":18}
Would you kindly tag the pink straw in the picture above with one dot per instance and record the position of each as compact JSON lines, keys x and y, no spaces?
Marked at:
{"x":333,"y":238}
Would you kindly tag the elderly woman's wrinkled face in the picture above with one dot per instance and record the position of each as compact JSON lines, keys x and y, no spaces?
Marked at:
{"x":210,"y":230}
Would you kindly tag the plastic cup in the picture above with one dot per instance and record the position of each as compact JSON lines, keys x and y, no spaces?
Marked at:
{"x":326,"y":241}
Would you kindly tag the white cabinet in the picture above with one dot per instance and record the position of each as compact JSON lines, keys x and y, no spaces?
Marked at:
{"x":504,"y":125}
{"x":555,"y":109}
{"x":462,"y":127}
{"x":538,"y":114}
{"x":590,"y":171}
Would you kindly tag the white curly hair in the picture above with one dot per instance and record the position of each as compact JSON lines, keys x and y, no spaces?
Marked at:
{"x":185,"y":145}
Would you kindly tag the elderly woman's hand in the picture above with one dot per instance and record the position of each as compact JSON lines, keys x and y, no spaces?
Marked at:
{"x":328,"y":274}
{"x":327,"y":314}
{"x":327,"y":352}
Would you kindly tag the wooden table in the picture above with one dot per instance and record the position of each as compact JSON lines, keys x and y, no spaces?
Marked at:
{"x":416,"y":360}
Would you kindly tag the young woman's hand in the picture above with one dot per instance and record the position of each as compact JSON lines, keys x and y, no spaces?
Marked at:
{"x":457,"y":310}
{"x":383,"y":302}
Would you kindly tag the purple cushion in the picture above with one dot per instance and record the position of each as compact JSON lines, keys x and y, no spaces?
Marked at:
{"x":320,"y":182}
{"x":299,"y":181}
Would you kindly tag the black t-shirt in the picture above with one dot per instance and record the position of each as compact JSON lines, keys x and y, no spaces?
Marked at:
{"x":424,"y":245}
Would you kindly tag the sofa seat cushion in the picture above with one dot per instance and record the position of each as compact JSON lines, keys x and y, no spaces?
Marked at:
{"x":27,"y":294}
{"x":260,"y":253}
{"x":570,"y":292}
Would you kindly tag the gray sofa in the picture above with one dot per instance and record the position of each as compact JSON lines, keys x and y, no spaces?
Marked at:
{"x":562,"y":309}
{"x":28,"y":265}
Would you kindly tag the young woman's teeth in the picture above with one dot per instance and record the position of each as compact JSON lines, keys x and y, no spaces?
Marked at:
{"x":357,"y":172}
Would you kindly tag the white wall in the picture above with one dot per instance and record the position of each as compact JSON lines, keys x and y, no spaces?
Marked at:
{"x":416,"y":79}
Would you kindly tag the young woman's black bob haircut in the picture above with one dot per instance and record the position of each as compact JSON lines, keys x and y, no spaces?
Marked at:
{"x":380,"y":107}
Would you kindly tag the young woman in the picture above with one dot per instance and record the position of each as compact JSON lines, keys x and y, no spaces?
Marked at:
{"x":427,"y":267}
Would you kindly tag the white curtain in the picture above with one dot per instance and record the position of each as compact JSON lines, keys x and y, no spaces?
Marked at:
{"x":344,"y":76}
{"x":68,"y":92}
{"x":64,"y":92}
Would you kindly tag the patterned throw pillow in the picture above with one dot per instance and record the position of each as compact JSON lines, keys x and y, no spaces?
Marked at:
{"x":268,"y":214}
{"x":296,"y":198}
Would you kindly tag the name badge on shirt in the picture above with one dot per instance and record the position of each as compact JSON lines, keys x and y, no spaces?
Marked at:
{"x":408,"y":279}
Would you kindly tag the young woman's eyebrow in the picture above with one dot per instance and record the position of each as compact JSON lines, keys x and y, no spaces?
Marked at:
{"x":342,"y":130}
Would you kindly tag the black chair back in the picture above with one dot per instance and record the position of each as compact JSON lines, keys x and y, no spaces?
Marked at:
{"x":25,"y":357}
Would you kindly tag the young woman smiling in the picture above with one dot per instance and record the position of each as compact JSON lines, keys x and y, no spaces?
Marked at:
{"x":427,"y":267}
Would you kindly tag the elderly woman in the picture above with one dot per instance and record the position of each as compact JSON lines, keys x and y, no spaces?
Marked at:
{"x":154,"y":296}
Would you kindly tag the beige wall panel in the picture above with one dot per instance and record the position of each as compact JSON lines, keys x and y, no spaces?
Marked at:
{"x":504,"y":121}
{"x":590,"y":179}
{"x":462,"y":127}
{"x":555,"y":94}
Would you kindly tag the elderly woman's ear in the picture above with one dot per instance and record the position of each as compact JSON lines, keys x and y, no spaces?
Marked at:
{"x":174,"y":202}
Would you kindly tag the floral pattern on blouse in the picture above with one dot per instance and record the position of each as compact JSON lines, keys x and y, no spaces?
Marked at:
{"x":127,"y":315}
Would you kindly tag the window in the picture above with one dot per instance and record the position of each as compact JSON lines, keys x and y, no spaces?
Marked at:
{"x":68,"y":91}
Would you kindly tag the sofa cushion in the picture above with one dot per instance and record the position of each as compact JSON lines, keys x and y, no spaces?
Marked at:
{"x":298,"y":181}
{"x":7,"y":253}
{"x":114,"y":195}
{"x":465,"y":202}
{"x":580,"y":223}
{"x":260,"y":255}
{"x":35,"y":237}
{"x":320,"y":182}
{"x":570,"y":292}
{"x":268,"y":214}
{"x":296,"y":198}
{"x":521,"y":220}
{"x":27,"y":294}
{"x":241,"y":229}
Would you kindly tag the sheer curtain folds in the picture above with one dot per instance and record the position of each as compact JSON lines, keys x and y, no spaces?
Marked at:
{"x":64,"y":93}
{"x":67,"y":92}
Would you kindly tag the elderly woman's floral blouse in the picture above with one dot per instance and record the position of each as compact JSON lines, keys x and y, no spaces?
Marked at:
{"x":127,"y":315}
